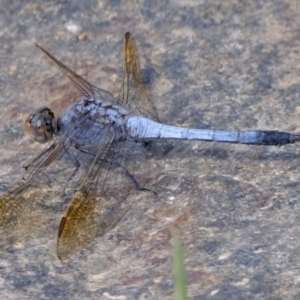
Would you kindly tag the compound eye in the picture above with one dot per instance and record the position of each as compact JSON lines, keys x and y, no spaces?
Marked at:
{"x":40,"y":125}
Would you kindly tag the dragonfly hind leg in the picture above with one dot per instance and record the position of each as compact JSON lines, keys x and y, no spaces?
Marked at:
{"x":117,"y":164}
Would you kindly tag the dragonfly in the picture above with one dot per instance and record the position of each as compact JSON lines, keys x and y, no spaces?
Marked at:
{"x":104,"y":136}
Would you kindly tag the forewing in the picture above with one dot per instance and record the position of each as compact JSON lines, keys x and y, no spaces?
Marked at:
{"x":87,"y":89}
{"x":23,"y":207}
{"x":133,"y":93}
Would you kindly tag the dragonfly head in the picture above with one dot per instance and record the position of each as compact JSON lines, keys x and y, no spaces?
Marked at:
{"x":41,"y":125}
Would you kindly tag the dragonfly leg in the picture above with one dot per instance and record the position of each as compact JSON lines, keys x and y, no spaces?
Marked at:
{"x":117,"y":164}
{"x":130,"y":176}
{"x":73,"y":158}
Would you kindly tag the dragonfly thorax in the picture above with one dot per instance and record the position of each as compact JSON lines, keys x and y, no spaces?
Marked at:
{"x":95,"y":109}
{"x":89,"y":121}
{"x":42,"y":125}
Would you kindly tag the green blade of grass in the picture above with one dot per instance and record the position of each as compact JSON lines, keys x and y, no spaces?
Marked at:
{"x":178,"y":268}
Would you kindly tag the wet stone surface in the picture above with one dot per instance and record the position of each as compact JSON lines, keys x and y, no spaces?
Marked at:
{"x":217,"y":65}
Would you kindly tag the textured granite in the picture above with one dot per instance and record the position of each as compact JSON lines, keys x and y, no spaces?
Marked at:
{"x":209,"y":64}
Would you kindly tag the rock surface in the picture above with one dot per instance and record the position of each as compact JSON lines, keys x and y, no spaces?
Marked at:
{"x":209,"y":64}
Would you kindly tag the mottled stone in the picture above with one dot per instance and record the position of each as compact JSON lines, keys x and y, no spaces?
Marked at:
{"x":210,"y":64}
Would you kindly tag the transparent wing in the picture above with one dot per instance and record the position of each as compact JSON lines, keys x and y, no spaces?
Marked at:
{"x":133,"y":91}
{"x":104,"y":196}
{"x":21,"y":207}
{"x":87,"y":89}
